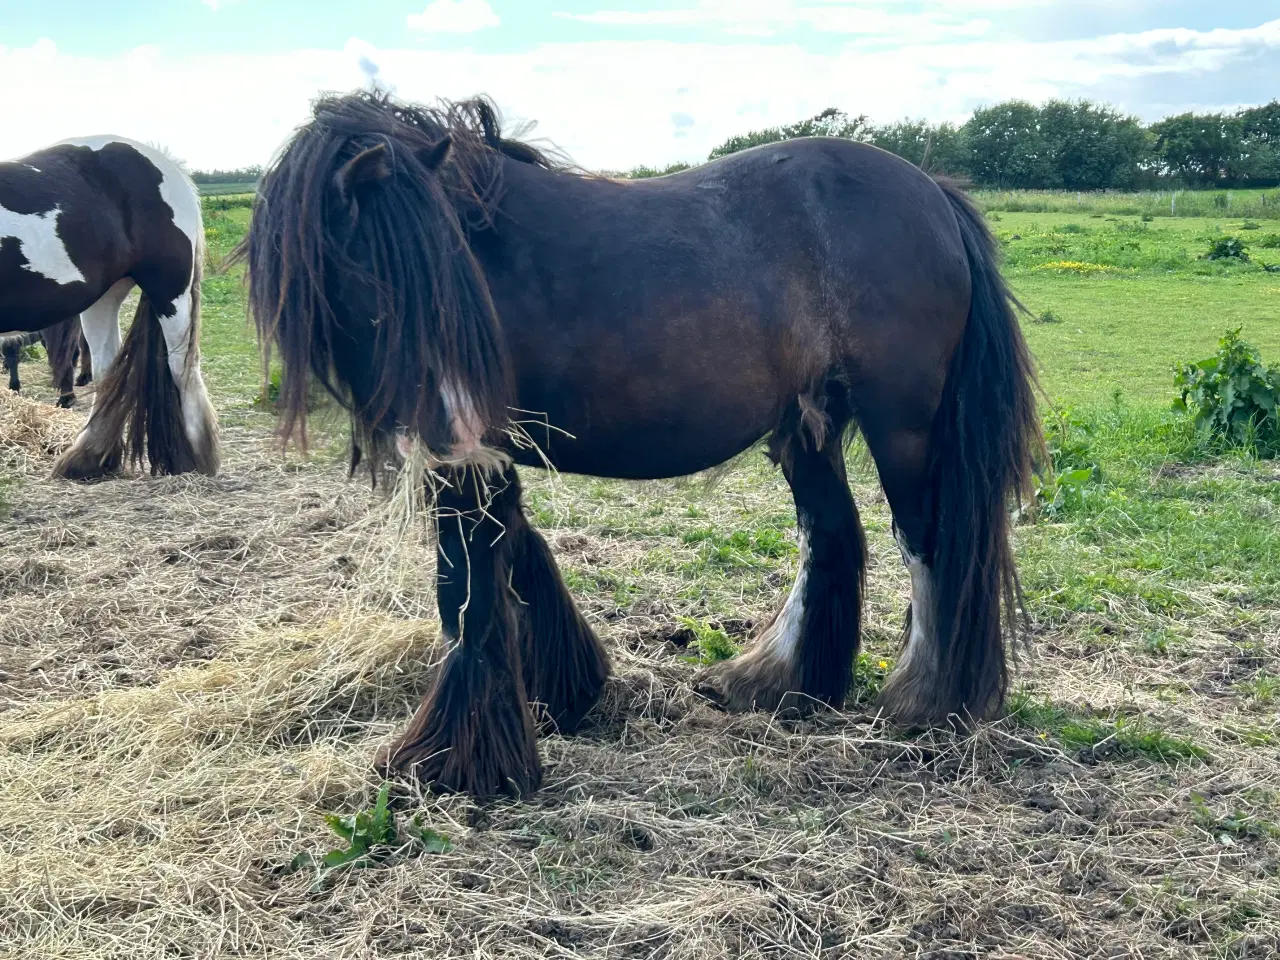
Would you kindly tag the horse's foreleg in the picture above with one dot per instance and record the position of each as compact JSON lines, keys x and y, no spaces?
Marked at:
{"x":474,"y":731}
{"x":805,"y":655}
{"x":60,"y":347}
{"x":86,"y":360}
{"x":564,"y":664}
{"x":12,"y":350}
{"x":99,"y":449}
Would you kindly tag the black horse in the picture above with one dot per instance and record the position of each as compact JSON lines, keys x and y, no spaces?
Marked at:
{"x":458,"y":288}
{"x":64,"y":346}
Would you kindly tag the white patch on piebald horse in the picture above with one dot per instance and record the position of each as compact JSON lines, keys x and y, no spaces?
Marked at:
{"x":786,"y":631}
{"x":922,"y":642}
{"x":37,"y":235}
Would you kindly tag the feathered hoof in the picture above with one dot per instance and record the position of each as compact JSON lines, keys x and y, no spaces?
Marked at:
{"x":83,"y":463}
{"x":755,"y":681}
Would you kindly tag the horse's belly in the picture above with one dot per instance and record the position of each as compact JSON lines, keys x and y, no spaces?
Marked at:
{"x":647,"y":444}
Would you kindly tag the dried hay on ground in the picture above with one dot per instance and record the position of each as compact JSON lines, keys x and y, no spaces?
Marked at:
{"x":195,"y":670}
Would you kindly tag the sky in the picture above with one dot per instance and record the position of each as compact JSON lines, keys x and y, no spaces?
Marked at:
{"x":611,"y":83}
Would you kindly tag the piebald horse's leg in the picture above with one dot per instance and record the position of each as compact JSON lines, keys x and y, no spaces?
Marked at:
{"x":100,"y":325}
{"x":12,"y":350}
{"x":805,"y":655}
{"x":99,"y":449}
{"x":474,"y":732}
{"x":86,"y":360}
{"x":199,"y":422}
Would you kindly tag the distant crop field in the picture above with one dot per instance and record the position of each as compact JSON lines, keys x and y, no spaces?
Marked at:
{"x":1264,"y":204}
{"x":197,"y":671}
{"x":221,"y":189}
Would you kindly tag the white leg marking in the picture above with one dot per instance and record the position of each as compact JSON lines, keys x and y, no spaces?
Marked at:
{"x":101,"y":326}
{"x":45,"y":253}
{"x":922,"y":643}
{"x":783,"y":638}
{"x":186,"y":374}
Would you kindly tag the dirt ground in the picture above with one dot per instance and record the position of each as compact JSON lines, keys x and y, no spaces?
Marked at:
{"x":194,"y":671}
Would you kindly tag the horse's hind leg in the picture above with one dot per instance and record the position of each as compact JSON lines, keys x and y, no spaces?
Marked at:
{"x":805,"y":655}
{"x":474,"y":731}
{"x":99,"y":449}
{"x":199,"y":423}
{"x":911,"y":695}
{"x":564,"y":664}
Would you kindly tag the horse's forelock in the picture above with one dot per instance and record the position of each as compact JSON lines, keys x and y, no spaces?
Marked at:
{"x":436,"y":320}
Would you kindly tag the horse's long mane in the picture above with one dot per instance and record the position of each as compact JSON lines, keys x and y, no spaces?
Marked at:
{"x":435,"y":320}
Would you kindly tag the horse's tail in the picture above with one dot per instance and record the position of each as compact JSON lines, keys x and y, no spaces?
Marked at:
{"x":986,"y":440}
{"x":141,"y":398}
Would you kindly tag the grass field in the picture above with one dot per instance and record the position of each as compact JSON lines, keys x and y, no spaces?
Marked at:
{"x":197,"y":671}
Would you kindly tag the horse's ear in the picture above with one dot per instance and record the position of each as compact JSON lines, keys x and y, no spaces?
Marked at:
{"x":434,"y":156}
{"x":365,"y":169}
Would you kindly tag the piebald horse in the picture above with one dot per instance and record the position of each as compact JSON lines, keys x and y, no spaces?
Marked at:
{"x":81,"y":224}
{"x":458,"y":290}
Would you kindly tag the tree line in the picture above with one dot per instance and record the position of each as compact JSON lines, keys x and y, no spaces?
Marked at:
{"x":242,"y":175}
{"x":1061,"y":145}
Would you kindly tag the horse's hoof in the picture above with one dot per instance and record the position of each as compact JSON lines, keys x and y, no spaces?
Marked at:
{"x":67,"y":402}
{"x":754,"y":682}
{"x":84,"y":380}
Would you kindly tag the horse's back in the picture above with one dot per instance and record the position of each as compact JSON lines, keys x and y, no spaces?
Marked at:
{"x":78,"y":215}
{"x":174,"y":184}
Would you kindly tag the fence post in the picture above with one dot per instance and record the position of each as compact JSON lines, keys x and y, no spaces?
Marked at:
{"x":1173,"y":204}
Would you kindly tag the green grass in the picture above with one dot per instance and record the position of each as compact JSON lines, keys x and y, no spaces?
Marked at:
{"x":226,"y":189}
{"x":1155,"y":304}
{"x":1124,"y":738}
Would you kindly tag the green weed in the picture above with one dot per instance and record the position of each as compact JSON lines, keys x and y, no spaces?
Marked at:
{"x":1227,"y":248}
{"x":371,"y":837}
{"x":709,"y":644}
{"x":1262,"y":689}
{"x":1232,"y":395}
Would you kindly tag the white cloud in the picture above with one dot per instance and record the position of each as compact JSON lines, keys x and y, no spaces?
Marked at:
{"x":454,"y":16}
{"x":870,"y":18}
{"x":608,"y":104}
